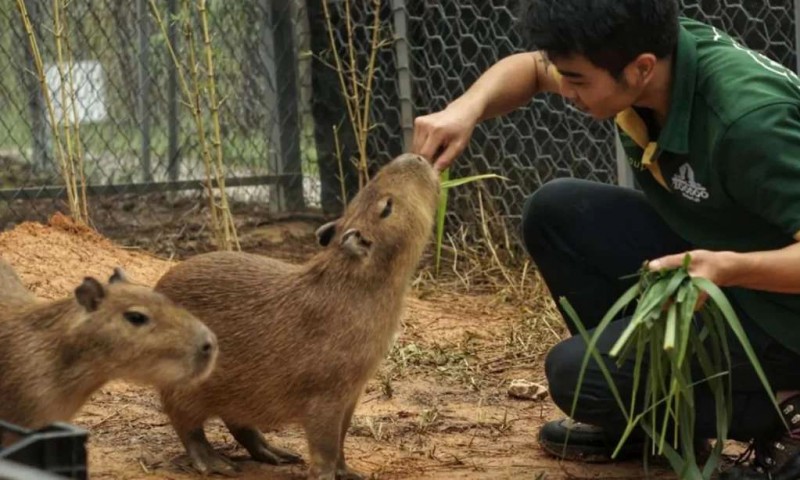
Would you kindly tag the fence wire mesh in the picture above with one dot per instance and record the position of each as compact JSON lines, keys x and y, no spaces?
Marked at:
{"x":140,"y":144}
{"x":283,"y":101}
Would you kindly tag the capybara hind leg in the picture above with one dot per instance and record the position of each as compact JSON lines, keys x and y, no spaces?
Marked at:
{"x":343,"y":472}
{"x":203,"y":456}
{"x":259,"y":448}
{"x":323,"y":433}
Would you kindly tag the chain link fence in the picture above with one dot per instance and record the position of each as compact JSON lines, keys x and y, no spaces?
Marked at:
{"x":282,"y":103}
{"x":142,"y":156}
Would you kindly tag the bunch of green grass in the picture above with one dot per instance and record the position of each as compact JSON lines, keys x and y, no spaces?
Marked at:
{"x":664,"y":338}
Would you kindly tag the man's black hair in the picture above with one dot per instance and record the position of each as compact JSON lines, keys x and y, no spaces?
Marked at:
{"x":610,"y":33}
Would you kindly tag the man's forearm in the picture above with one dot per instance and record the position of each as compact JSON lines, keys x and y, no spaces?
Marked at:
{"x":774,"y":270}
{"x":505,"y":86}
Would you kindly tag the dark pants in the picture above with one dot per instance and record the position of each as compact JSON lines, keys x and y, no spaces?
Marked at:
{"x":583,"y":236}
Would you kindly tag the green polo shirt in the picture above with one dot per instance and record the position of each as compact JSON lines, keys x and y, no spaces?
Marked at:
{"x":724,"y":171}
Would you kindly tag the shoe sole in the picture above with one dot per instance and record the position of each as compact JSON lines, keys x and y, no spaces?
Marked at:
{"x":576,"y":453}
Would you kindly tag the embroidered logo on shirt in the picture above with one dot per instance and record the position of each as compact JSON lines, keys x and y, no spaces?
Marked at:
{"x":684,"y":182}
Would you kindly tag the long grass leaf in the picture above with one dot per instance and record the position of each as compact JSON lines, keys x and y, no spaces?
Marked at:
{"x":447,"y":183}
{"x":671,"y":327}
{"x":736,"y":327}
{"x":591,"y":350}
{"x":440,"y":217}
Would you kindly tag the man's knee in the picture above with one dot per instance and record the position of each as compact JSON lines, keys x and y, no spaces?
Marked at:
{"x":547,"y":205}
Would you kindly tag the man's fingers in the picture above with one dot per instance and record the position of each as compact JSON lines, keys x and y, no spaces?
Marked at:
{"x":432,"y":144}
{"x":446,"y":158}
{"x":670,"y":261}
{"x":420,"y":135}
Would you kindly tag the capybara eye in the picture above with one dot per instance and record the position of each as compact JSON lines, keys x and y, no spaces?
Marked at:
{"x":136,"y":318}
{"x":387,"y":210}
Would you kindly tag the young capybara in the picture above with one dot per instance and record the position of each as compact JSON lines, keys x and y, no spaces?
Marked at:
{"x":55,"y":354}
{"x":299,"y":342}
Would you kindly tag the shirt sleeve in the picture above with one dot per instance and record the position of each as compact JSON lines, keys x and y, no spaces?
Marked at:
{"x":758,"y":160}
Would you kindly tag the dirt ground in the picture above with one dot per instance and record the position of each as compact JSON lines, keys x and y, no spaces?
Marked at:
{"x":438,"y":409}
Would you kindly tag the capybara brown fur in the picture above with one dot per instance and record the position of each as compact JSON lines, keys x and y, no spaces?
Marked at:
{"x":298,"y":342}
{"x":54,"y":354}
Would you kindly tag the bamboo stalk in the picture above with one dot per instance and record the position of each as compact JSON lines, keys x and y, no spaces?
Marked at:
{"x":57,"y":32}
{"x":78,"y":159}
{"x":339,"y":68}
{"x":223,"y":226}
{"x":355,"y":96}
{"x":229,"y":228}
{"x":62,"y":154}
{"x":339,"y":162}
{"x":201,"y":130}
{"x":368,"y":90}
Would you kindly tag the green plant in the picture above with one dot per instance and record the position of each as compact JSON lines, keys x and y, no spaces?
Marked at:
{"x":221,"y":219}
{"x":446,"y":185}
{"x":68,"y":145}
{"x":668,"y":327}
{"x":357,"y":95}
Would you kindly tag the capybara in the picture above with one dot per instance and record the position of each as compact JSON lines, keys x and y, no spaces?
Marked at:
{"x":298,"y":342}
{"x":55,"y":354}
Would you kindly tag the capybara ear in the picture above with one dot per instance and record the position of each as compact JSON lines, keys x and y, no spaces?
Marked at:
{"x":354,"y":244}
{"x":90,"y":293}
{"x":118,"y":276}
{"x":325,"y":233}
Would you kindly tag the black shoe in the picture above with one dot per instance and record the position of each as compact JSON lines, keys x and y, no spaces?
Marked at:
{"x":586,"y":443}
{"x":774,"y":459}
{"x":591,"y":444}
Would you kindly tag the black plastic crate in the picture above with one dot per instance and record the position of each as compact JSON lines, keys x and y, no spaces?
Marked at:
{"x":58,"y":449}
{"x":16,"y":471}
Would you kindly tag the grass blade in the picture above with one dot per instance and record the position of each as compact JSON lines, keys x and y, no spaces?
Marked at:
{"x":440,"y":216}
{"x":447,"y":183}
{"x":736,"y":327}
{"x":671,"y":327}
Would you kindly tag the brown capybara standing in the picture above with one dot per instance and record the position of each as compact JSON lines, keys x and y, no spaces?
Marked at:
{"x":299,"y":342}
{"x":55,"y":354}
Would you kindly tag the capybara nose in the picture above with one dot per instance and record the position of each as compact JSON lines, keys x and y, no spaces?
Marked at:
{"x":208,"y":344}
{"x":352,"y":232}
{"x":411,"y":157}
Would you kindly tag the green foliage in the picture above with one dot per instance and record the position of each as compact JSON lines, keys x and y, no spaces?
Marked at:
{"x":666,"y":332}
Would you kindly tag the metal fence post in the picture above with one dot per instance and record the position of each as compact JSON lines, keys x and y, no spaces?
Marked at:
{"x":282,"y":70}
{"x":404,"y":71}
{"x":143,"y":32}
{"x":40,"y":137}
{"x":173,"y":160}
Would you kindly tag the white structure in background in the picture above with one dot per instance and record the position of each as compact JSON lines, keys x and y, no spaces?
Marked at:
{"x":89,"y":96}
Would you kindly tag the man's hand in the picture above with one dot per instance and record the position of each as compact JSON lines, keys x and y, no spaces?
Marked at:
{"x":713,"y":266}
{"x":449,"y":129}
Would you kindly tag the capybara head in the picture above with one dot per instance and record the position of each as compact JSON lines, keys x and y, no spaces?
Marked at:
{"x":393,"y":214}
{"x":147,"y":337}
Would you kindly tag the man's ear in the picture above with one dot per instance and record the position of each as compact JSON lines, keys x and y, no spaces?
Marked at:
{"x":640,"y":71}
{"x":325,"y":233}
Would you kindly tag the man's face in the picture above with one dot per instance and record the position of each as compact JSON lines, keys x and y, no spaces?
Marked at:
{"x":592,"y":89}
